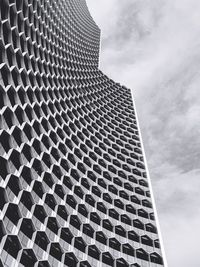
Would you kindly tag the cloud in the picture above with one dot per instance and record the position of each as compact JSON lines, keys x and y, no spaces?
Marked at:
{"x":155,"y":46}
{"x":180,"y":214}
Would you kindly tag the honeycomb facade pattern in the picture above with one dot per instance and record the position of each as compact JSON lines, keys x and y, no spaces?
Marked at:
{"x":73,"y":186}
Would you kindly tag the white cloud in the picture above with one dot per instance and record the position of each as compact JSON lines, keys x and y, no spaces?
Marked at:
{"x":155,"y":46}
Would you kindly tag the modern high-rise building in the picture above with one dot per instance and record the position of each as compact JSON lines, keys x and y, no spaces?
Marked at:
{"x":73,"y":185}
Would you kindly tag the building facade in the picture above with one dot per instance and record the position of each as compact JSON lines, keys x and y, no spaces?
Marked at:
{"x":73,"y":185}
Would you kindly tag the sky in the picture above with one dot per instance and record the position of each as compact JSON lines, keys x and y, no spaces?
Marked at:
{"x":153,"y":47}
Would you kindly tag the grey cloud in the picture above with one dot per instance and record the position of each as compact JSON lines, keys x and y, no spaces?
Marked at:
{"x":180,"y":216}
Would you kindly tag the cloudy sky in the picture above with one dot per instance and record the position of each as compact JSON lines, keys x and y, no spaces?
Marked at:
{"x":153,"y":47}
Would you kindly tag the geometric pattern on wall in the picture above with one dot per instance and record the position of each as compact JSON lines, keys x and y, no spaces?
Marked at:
{"x":73,"y":186}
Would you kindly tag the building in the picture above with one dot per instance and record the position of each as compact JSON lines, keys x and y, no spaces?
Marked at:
{"x":73,"y":185}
